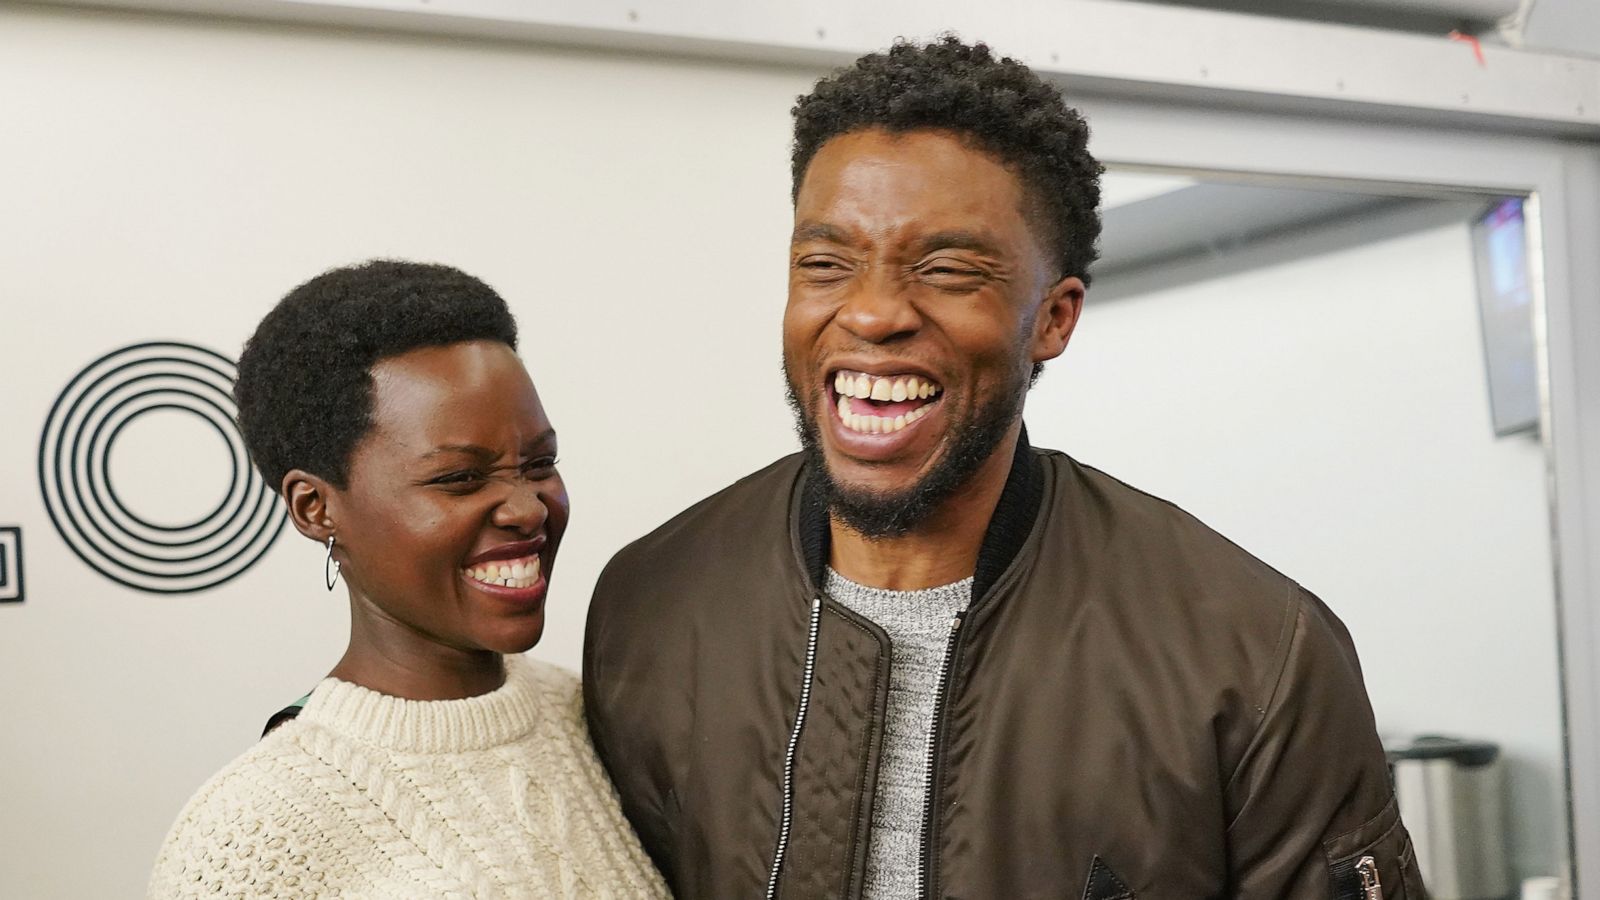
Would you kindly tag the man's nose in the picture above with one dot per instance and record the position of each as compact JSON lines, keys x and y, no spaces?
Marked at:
{"x":878,"y":309}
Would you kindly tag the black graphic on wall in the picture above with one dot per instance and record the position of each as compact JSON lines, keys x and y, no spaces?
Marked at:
{"x":75,"y":476}
{"x":11,"y":590}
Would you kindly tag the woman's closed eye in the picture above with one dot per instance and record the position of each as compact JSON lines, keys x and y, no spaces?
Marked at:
{"x":543,"y":467}
{"x":464,"y":478}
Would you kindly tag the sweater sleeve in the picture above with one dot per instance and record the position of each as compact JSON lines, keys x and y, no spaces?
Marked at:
{"x":238,"y":837}
{"x":1311,"y":799}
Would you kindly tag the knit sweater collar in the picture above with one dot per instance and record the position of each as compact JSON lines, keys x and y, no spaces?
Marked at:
{"x":429,"y":726}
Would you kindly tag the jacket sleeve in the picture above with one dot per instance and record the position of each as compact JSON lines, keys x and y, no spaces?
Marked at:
{"x":1311,"y":798}
{"x":618,"y":692}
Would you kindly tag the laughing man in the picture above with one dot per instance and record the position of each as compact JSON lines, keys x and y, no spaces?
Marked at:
{"x":922,"y":658}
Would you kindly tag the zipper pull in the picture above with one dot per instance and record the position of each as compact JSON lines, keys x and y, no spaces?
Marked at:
{"x":1371,"y":886}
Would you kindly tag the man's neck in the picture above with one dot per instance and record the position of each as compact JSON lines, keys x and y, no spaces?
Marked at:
{"x":942,"y":550}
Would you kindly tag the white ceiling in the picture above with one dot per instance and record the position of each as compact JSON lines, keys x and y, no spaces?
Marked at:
{"x":1122,"y":188}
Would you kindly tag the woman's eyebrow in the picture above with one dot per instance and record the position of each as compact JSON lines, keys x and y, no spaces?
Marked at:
{"x":547,"y":436}
{"x":543,"y":438}
{"x":466,"y":449}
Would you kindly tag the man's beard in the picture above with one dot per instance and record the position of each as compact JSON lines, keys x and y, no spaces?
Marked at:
{"x":890,"y":514}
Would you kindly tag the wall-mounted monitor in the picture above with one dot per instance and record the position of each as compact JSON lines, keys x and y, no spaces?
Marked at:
{"x":1505,"y":304}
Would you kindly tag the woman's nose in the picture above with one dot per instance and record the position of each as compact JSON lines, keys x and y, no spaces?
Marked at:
{"x":522,"y":509}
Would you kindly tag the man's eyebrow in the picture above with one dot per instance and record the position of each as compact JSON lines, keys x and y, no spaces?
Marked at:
{"x":959,"y":239}
{"x":818,"y":231}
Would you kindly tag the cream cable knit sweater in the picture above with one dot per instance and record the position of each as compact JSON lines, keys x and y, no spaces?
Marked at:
{"x":367,"y":795}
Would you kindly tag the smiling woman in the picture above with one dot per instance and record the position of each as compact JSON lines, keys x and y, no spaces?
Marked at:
{"x":388,"y":405}
{"x":452,"y":499}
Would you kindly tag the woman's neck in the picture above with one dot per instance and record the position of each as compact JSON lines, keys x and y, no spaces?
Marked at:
{"x":391,"y":658}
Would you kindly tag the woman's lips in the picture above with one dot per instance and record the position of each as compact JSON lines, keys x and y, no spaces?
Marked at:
{"x":507,"y":551}
{"x":519,"y":581}
{"x":512,"y":573}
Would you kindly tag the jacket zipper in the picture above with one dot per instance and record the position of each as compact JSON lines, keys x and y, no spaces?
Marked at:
{"x":925,"y":859}
{"x":794,"y":744}
{"x":1371,"y":887}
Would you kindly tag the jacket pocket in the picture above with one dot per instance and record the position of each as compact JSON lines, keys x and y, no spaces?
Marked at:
{"x":1375,"y":861}
{"x":1103,"y":884}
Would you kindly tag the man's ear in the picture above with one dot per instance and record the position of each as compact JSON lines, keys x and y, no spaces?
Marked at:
{"x":312,"y":503}
{"x":1056,"y":317}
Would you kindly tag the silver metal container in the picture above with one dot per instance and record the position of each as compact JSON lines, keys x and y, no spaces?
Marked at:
{"x":1452,"y":797}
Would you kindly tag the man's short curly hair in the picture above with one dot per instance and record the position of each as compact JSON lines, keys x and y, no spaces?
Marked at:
{"x":997,"y":103}
{"x":305,"y":377}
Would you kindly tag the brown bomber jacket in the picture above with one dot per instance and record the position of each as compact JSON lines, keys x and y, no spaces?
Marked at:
{"x":1133,"y":707}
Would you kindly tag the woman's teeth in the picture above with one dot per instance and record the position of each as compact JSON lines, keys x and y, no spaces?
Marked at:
{"x":511,"y":573}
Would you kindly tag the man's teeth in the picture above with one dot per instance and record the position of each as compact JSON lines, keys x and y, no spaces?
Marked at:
{"x":883,"y":389}
{"x":871,"y":387}
{"x":876,"y":424}
{"x":512,"y":573}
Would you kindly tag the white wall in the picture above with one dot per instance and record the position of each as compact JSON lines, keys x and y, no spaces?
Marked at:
{"x":1330,"y":415}
{"x":166,"y":179}
{"x":170,"y":179}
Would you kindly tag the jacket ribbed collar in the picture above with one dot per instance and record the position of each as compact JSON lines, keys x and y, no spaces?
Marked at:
{"x":1008,"y":528}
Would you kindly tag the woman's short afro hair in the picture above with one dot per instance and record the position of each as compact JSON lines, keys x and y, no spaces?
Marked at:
{"x":997,"y":103}
{"x":305,"y":382}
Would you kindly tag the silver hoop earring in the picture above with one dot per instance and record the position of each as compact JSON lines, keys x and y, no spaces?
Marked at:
{"x":331,"y":567}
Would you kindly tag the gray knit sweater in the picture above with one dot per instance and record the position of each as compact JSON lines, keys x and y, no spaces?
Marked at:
{"x":918,"y":624}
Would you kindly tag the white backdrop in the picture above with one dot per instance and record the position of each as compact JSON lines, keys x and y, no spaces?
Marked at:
{"x":1330,"y":414}
{"x":164,"y":179}
{"x":168,"y":179}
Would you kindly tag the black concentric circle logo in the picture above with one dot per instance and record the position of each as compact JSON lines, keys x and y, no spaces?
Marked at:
{"x":115,"y":540}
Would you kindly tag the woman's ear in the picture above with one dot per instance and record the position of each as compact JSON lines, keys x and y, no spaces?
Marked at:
{"x":311,"y":501}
